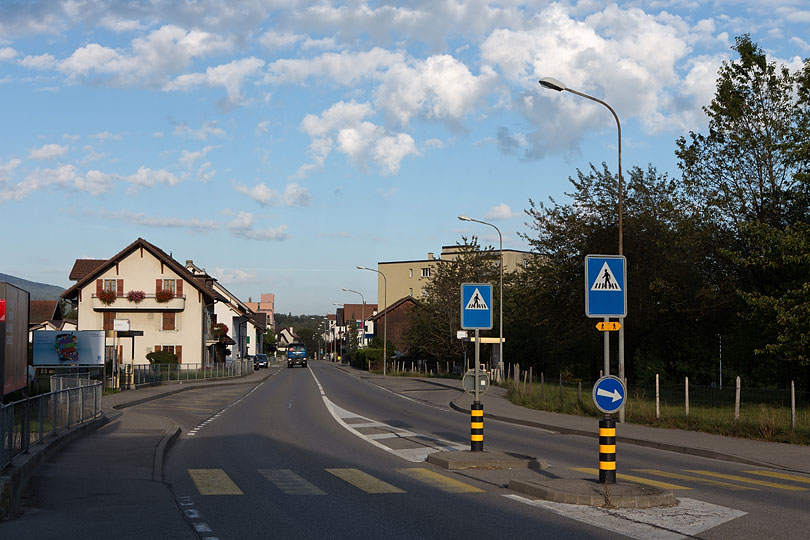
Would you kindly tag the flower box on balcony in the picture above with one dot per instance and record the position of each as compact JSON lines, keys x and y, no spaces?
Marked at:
{"x":164,"y":296}
{"x":107,"y":297}
{"x":136,"y":297}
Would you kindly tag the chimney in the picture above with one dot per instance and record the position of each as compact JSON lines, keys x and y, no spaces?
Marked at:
{"x":430,"y":255}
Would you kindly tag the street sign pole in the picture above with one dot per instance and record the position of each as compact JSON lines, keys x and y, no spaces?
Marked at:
{"x":477,"y":366}
{"x":606,"y":340}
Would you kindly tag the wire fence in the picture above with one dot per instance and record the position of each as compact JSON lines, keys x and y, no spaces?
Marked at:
{"x":31,"y":421}
{"x":157,"y":373}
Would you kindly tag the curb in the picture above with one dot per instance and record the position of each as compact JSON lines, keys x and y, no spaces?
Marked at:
{"x":169,"y":436}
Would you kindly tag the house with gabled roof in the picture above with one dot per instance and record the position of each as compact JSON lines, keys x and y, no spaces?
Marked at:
{"x":173,"y":308}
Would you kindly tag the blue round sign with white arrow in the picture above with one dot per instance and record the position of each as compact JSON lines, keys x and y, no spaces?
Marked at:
{"x":609,"y":394}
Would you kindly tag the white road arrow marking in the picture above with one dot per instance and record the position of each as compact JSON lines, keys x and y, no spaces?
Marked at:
{"x":604,"y":393}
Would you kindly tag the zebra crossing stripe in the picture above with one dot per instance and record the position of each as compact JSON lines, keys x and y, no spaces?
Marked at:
{"x":290,"y":483}
{"x":665,"y":474}
{"x":364,"y":481}
{"x":213,"y":482}
{"x":749,"y":480}
{"x":444,"y":483}
{"x":637,"y":479}
{"x":781,"y":476}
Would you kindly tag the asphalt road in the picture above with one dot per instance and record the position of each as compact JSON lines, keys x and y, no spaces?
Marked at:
{"x":280,"y":463}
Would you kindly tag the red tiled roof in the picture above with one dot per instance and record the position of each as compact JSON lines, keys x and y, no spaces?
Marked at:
{"x":82,"y":267}
{"x":42,"y":310}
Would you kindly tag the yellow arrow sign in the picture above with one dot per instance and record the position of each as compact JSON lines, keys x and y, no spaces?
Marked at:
{"x":608,"y":326}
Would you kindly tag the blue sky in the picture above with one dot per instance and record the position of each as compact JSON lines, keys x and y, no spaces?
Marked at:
{"x":279,"y":144}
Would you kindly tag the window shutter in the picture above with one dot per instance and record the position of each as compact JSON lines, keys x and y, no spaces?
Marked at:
{"x":178,"y":350}
{"x":120,"y":288}
{"x":108,"y":318}
{"x":158,"y":283}
{"x":168,"y":321}
{"x":179,"y":288}
{"x":99,"y":286}
{"x":157,"y":348}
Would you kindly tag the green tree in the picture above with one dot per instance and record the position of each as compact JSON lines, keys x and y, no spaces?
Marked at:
{"x":750,"y":173}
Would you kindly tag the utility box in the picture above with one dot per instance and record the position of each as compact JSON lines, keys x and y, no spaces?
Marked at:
{"x":14,"y":305}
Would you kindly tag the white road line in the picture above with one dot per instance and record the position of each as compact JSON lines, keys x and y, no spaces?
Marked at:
{"x":688,"y":519}
{"x":416,"y":455}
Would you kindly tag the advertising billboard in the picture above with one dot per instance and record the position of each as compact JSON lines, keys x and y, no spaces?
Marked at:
{"x":14,"y":334}
{"x":69,"y":347}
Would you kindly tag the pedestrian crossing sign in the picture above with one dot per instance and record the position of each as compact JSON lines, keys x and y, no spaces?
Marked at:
{"x":605,"y":286}
{"x":476,"y":306}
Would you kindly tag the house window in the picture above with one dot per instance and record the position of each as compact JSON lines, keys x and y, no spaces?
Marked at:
{"x":525,"y":263}
{"x":169,"y":285}
{"x":426,"y":272}
{"x":169,"y":321}
{"x":110,"y":285}
{"x":410,"y":272}
{"x":410,"y":291}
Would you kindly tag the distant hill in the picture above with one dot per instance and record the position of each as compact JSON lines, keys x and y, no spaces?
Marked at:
{"x":38,"y":291}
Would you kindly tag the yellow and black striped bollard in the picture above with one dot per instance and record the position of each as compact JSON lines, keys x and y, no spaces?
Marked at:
{"x":607,"y":450}
{"x":477,"y":427}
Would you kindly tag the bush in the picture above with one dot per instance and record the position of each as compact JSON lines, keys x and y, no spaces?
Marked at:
{"x":161,"y":357}
{"x":368,"y":359}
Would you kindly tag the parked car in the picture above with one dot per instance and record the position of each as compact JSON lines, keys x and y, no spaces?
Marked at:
{"x":260,"y":361}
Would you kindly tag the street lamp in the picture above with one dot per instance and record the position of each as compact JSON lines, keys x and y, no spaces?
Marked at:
{"x":362,"y":311}
{"x":553,"y":84}
{"x":385,"y":313}
{"x":500,"y":303}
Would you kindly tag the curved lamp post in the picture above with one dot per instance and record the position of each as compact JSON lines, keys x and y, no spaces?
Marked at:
{"x":362,"y":311}
{"x":553,"y":84}
{"x":500,"y":303}
{"x":385,"y":313}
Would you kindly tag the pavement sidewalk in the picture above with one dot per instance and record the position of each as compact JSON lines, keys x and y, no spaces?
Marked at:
{"x":787,"y":457}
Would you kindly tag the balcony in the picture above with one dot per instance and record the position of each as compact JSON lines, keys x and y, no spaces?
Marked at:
{"x":121,"y":304}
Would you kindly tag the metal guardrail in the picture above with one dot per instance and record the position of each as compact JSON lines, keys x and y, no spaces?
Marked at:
{"x":30,"y":421}
{"x":158,"y":373}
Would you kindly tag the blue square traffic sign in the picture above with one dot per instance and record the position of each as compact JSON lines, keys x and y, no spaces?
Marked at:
{"x":476,"y":306}
{"x":605,"y":286}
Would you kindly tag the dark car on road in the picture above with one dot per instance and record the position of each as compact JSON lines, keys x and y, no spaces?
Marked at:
{"x":260,"y":361}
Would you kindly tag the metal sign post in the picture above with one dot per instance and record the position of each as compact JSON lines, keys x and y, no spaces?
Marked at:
{"x":476,"y":314}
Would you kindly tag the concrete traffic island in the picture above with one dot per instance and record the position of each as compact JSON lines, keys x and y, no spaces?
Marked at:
{"x":592,"y":493}
{"x":465,"y":459}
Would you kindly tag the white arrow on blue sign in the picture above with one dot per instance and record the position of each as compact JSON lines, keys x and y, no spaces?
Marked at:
{"x":609,"y":394}
{"x":605,"y":286}
{"x":476,"y":306}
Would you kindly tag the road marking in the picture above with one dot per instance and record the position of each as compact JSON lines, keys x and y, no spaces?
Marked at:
{"x":353,"y":422}
{"x":749,"y":480}
{"x":444,"y":483}
{"x":689,"y":518}
{"x":665,"y":474}
{"x":290,"y":483}
{"x":638,"y":479}
{"x":364,"y":481}
{"x":781,"y":476}
{"x":213,"y":482}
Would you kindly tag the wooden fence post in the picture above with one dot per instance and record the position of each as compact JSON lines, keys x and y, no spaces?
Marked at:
{"x":657,"y":399}
{"x":792,"y":405}
{"x":737,"y":401}
{"x":686,"y":394}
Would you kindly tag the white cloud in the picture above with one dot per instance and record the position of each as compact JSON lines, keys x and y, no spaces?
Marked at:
{"x":117,"y":24}
{"x":64,"y":176}
{"x":229,"y":76}
{"x":276,"y":40}
{"x":147,"y":177}
{"x":294,"y":195}
{"x":347,"y":68}
{"x":208,"y":128}
{"x":188,"y":158}
{"x":151,"y":60}
{"x":242,"y":226}
{"x":48,"y":151}
{"x":7,"y":53}
{"x":501,"y":211}
{"x":43,"y":61}
{"x":342,"y":127}
{"x":233,"y":275}
{"x":107,"y":136}
{"x":152,"y":221}
{"x":262,"y":128}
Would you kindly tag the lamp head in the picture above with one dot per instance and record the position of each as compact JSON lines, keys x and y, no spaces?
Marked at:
{"x":361,"y":268}
{"x":464,"y":218}
{"x":552,"y":84}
